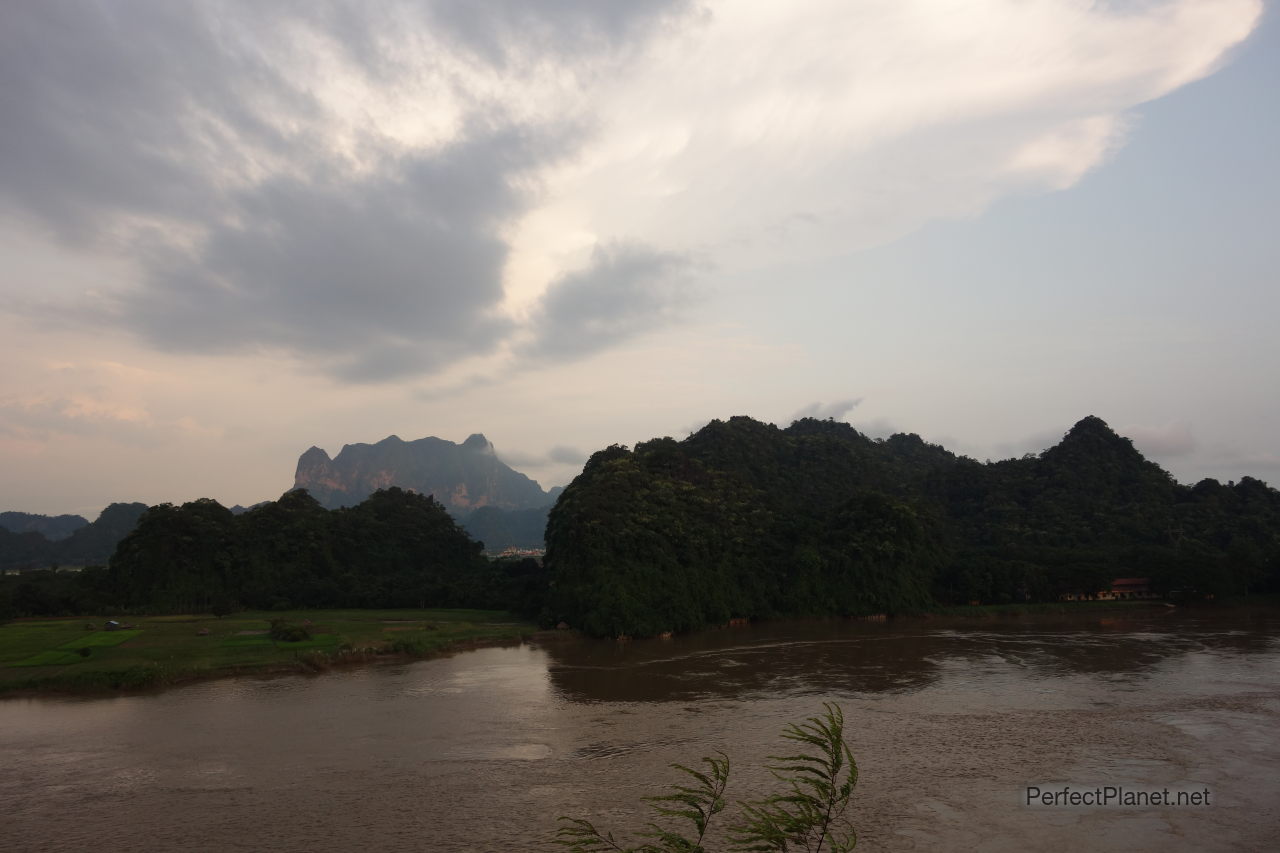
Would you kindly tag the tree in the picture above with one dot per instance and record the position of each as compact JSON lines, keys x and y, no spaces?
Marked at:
{"x":807,"y":815}
{"x":222,"y":606}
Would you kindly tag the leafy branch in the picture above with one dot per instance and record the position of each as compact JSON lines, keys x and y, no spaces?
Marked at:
{"x":806,"y":816}
{"x":810,"y":814}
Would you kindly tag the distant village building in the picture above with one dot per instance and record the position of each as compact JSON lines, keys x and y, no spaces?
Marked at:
{"x":1122,"y":589}
{"x":523,"y":552}
{"x":1131,"y":588}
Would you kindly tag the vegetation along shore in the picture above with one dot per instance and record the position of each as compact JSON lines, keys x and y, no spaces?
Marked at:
{"x":87,"y":655}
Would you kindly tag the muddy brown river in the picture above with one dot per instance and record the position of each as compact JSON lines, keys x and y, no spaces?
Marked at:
{"x":950,"y":720}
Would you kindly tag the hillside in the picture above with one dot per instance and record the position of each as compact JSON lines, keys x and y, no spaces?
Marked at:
{"x":85,"y":545}
{"x":51,"y":527}
{"x":743,"y":519}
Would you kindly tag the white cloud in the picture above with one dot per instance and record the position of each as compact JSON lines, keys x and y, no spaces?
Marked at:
{"x":772,"y":129}
{"x":558,"y":456}
{"x":380,"y":192}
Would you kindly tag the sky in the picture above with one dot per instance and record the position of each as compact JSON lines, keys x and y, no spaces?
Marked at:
{"x":234,"y":230}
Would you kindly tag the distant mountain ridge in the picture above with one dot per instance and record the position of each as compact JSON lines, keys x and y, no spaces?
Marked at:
{"x":88,"y":544}
{"x":462,"y":477}
{"x":51,"y":527}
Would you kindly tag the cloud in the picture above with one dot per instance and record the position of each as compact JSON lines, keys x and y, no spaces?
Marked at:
{"x":772,"y":130}
{"x":562,"y":455}
{"x":121,"y":403}
{"x":1239,"y":462}
{"x":496,"y":30}
{"x":557,"y":455}
{"x":156,"y":110}
{"x":144,"y":111}
{"x":625,"y":290}
{"x":877,"y":428}
{"x":45,"y":417}
{"x":332,"y":182}
{"x":1036,"y":443}
{"x":1168,"y":441}
{"x":378,"y":191}
{"x":378,"y":276}
{"x":822,"y":411}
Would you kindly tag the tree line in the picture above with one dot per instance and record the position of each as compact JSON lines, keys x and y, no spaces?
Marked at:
{"x":395,"y":549}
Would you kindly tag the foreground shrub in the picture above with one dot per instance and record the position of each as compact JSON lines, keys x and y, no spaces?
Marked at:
{"x":282,"y":632}
{"x":808,"y":813}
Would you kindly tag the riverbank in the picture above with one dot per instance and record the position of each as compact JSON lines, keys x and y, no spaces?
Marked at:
{"x":80,"y":656}
{"x":1234,"y":603}
{"x":1058,"y":607}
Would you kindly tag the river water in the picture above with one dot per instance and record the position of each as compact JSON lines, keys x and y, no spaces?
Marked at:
{"x":950,"y":721}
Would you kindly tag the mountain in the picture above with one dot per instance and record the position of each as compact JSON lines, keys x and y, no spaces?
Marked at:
{"x":462,"y":477}
{"x":51,"y":527}
{"x":86,"y":545}
{"x":743,"y":519}
{"x":94,"y":543}
{"x":27,"y":550}
{"x":500,"y":529}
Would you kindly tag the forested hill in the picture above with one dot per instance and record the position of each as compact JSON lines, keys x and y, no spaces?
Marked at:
{"x":393,"y":549}
{"x":83,"y":544}
{"x":743,"y":519}
{"x":51,"y":527}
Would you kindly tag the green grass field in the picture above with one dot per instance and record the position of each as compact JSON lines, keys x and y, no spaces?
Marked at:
{"x":102,"y":639}
{"x":50,"y":654}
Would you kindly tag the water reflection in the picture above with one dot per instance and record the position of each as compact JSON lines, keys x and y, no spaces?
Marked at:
{"x":859,"y":658}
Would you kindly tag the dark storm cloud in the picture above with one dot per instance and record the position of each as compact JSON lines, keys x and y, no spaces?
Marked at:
{"x":188,"y":132}
{"x":624,"y":291}
{"x":126,"y":108}
{"x":375,"y":278}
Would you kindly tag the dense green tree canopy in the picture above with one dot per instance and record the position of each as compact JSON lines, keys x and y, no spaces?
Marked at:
{"x":739,"y":520}
{"x":395,"y":549}
{"x":743,"y":519}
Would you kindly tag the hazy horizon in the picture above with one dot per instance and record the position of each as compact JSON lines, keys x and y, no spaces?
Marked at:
{"x":515,"y":461}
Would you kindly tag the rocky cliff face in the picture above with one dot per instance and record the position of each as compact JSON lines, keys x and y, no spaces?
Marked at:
{"x":463,"y":477}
